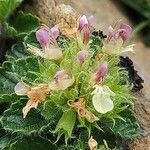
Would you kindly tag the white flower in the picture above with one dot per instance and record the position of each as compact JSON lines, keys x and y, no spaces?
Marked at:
{"x":101,"y":100}
{"x":117,"y":47}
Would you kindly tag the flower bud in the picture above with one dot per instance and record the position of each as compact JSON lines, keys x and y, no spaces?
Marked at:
{"x":101,"y":72}
{"x":63,"y":80}
{"x":42,"y":36}
{"x":84,"y":21}
{"x":82,"y":56}
{"x":126,"y":31}
{"x":84,"y":27}
{"x":54,"y":32}
{"x":92,"y":143}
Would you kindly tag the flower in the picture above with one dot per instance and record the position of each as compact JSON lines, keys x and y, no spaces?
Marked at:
{"x":84,"y":27}
{"x":35,"y":94}
{"x":115,"y":42}
{"x":92,"y":143}
{"x":116,"y":47}
{"x":100,"y":73}
{"x":125,"y":32}
{"x":79,"y":107}
{"x":47,"y":39}
{"x":82,"y":56}
{"x":101,"y":99}
{"x":62,"y":80}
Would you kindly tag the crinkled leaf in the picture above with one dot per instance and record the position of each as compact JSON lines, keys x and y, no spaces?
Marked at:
{"x":18,"y":51}
{"x":48,"y":70}
{"x":21,"y":24}
{"x":33,"y":142}
{"x":127,"y":128}
{"x":51,"y":111}
{"x":12,"y":118}
{"x":8,"y":80}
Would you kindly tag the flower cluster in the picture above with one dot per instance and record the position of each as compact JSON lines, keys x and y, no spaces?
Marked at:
{"x":72,"y":63}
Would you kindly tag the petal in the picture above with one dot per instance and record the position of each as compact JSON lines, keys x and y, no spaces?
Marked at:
{"x":98,"y":89}
{"x":82,"y":56}
{"x":102,"y":103}
{"x":42,"y":36}
{"x":34,"y":50}
{"x":82,"y":22}
{"x":21,"y":88}
{"x":101,"y":72}
{"x":52,"y":52}
{"x":63,"y":79}
{"x":127,"y":30}
{"x":90,"y":20}
{"x":128,"y":48}
{"x":108,"y":90}
{"x":54,"y":32}
{"x":30,"y":104}
{"x":92,"y":143}
{"x":65,"y":83}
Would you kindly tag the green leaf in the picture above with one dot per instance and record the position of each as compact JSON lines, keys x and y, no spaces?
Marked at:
{"x":27,"y":68}
{"x":48,"y":70}
{"x":21,"y":24}
{"x":18,"y":51}
{"x":31,"y":143}
{"x":7,"y":7}
{"x":8,"y":80}
{"x":12,"y":118}
{"x":51,"y":110}
{"x":66,"y":124}
{"x":127,"y":128}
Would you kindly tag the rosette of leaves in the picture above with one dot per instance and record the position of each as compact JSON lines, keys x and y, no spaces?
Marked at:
{"x":55,"y":124}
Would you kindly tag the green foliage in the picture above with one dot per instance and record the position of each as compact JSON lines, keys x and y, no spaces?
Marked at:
{"x":125,"y":127}
{"x":142,"y":18}
{"x":142,"y":7}
{"x":7,"y":7}
{"x":66,"y":124}
{"x":12,"y":119}
{"x":54,"y":120}
{"x":19,"y":26}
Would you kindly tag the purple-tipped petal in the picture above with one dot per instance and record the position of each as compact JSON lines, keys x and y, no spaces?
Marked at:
{"x":82,"y":56}
{"x":90,"y":20}
{"x":42,"y":36}
{"x":126,"y":31}
{"x":82,"y":22}
{"x":54,"y":32}
{"x":102,"y":72}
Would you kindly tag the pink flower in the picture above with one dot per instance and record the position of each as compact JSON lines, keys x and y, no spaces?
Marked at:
{"x":100,"y":73}
{"x":84,"y":27}
{"x":47,"y":39}
{"x":84,"y":21}
{"x":82,"y":56}
{"x":42,"y":36}
{"x":116,"y":40}
{"x":62,"y":80}
{"x":126,"y":31}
